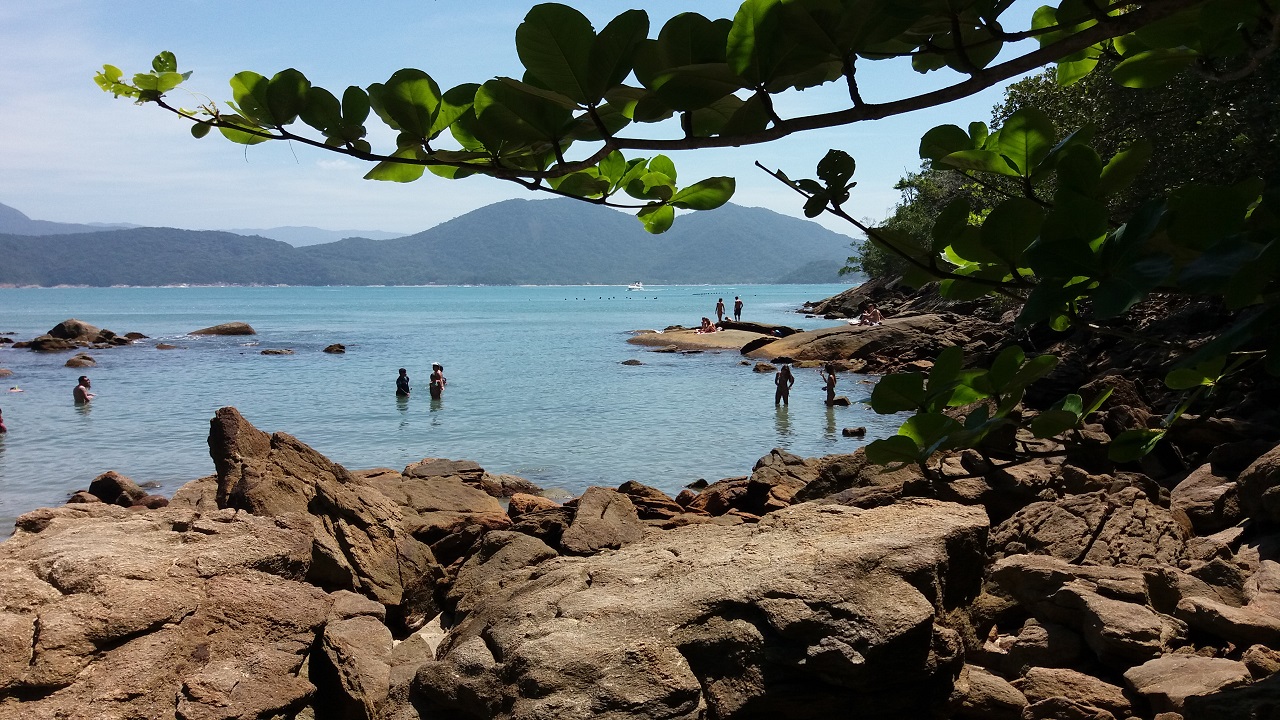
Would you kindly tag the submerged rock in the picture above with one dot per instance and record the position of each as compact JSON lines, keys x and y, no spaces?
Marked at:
{"x":231,"y":328}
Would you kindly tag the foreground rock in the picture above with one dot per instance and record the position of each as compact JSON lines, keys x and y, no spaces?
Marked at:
{"x":231,"y":328}
{"x":112,"y":613}
{"x":815,"y":610}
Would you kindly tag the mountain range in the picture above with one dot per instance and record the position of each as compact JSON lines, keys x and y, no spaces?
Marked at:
{"x":525,"y":242}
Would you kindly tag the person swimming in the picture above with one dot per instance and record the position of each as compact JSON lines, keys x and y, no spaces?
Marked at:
{"x":81,"y":391}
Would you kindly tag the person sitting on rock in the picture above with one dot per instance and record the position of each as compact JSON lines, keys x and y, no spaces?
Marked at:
{"x":402,"y":384}
{"x":81,"y":391}
{"x":707,"y":327}
{"x":871,"y":316}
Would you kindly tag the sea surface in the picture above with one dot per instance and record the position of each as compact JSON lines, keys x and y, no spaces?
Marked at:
{"x":536,"y":384}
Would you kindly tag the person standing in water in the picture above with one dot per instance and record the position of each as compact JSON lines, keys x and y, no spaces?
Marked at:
{"x":829,"y":380}
{"x":81,"y":392}
{"x":3,"y":429}
{"x":737,"y":309}
{"x":402,"y":383}
{"x":784,"y":380}
{"x":437,"y":382}
{"x":720,"y":310}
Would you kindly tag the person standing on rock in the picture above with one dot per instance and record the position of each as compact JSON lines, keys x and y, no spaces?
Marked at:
{"x":402,"y":384}
{"x":81,"y":392}
{"x":437,"y":382}
{"x":784,"y":380}
{"x":737,"y":309}
{"x":720,"y":310}
{"x":829,"y":381}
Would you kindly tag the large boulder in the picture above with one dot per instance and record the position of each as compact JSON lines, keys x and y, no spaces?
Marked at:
{"x":112,"y":613}
{"x":604,"y":519}
{"x":1044,"y":683}
{"x":361,"y":539}
{"x":1167,"y":682}
{"x":1208,"y":501}
{"x":1259,"y":487}
{"x":810,"y":613}
{"x":442,"y":510}
{"x":72,"y":329}
{"x":1098,"y":528}
{"x":901,"y":339}
{"x":231,"y":328}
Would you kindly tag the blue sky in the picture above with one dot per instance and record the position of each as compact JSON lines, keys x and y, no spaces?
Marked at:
{"x":71,"y":153}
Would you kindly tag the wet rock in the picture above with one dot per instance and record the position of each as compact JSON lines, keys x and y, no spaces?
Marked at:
{"x":73,"y":329}
{"x":83,"y":496}
{"x":1167,"y":682}
{"x":604,"y":519}
{"x":166,"y":346}
{"x":112,"y":487}
{"x":632,"y":362}
{"x":335,"y":349}
{"x":5,"y":372}
{"x":81,"y":360}
{"x":48,"y":343}
{"x":505,"y":486}
{"x":763,"y":367}
{"x":277,"y":351}
{"x":231,"y":328}
{"x":854,"y":432}
{"x":135,"y":336}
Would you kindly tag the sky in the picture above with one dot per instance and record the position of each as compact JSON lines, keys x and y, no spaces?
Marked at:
{"x":72,"y":153}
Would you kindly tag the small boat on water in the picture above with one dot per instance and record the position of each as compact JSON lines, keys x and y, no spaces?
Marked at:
{"x":635,"y":286}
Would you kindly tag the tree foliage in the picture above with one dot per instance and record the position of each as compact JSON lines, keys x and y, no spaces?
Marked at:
{"x":1052,"y":230}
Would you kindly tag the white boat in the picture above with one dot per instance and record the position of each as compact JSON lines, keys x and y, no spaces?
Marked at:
{"x":635,"y":286}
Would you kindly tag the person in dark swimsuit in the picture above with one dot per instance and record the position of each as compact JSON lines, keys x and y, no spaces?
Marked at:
{"x":784,"y":380}
{"x":437,"y":382}
{"x":737,"y":309}
{"x":402,"y":383}
{"x":829,"y":380}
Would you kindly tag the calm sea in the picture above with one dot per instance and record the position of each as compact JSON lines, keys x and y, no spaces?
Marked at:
{"x":536,"y":385}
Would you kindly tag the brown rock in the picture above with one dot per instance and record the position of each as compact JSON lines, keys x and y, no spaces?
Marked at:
{"x":1098,"y":528}
{"x":83,"y":496}
{"x":546,"y":525}
{"x":5,"y":372}
{"x":48,"y":343}
{"x":651,"y":503}
{"x":522,"y":504}
{"x":467,"y":471}
{"x":112,"y":487}
{"x":231,"y":328}
{"x":763,"y":367}
{"x":1061,"y":708}
{"x":73,"y":329}
{"x":200,"y":495}
{"x":505,"y":486}
{"x":1259,"y":487}
{"x":357,"y":655}
{"x":361,"y":541}
{"x":152,"y":502}
{"x":1209,"y":502}
{"x":1042,"y":644}
{"x":497,"y":555}
{"x":1167,"y":682}
{"x":1262,"y":661}
{"x":443,"y":511}
{"x":632,"y":362}
{"x":81,"y":360}
{"x":604,"y":519}
{"x":135,"y":336}
{"x":336,"y":349}
{"x":166,"y":346}
{"x":277,"y":351}
{"x":979,"y":694}
{"x":1044,"y":683}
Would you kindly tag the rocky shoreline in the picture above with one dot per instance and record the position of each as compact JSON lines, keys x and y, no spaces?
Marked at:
{"x":1061,"y":585}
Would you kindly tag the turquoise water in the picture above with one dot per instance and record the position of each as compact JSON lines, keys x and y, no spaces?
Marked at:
{"x":536,"y":384}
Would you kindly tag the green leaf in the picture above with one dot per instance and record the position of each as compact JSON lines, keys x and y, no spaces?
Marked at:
{"x":249,"y":89}
{"x":1132,"y":445}
{"x":455,"y":102}
{"x":1034,"y":369}
{"x":893,"y":449}
{"x":952,"y":221}
{"x":391,"y":171}
{"x":1125,"y":167}
{"x":1053,"y":422}
{"x":930,"y":431}
{"x":355,"y":107}
{"x":706,"y":194}
{"x":165,"y":62}
{"x":410,"y":99}
{"x":200,"y":129}
{"x":663,"y":164}
{"x":286,"y":95}
{"x":1131,"y":283}
{"x":1026,"y":138}
{"x":613,"y":53}
{"x":898,"y":392}
{"x":1153,"y":67}
{"x":236,"y":135}
{"x":1011,"y":227}
{"x":613,"y":167}
{"x":981,"y":161}
{"x":322,"y":112}
{"x":1003,"y":368}
{"x":836,"y":168}
{"x":657,"y":219}
{"x":507,"y":113}
{"x":554,"y":42}
{"x":942,"y":141}
{"x":1069,"y":72}
{"x":582,"y":184}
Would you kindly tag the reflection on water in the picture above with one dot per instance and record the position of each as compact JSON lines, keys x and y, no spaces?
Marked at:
{"x":830,"y":432}
{"x":782,"y":421}
{"x":83,"y":409}
{"x":402,"y":404}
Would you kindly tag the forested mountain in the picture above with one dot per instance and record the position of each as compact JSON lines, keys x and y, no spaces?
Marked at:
{"x":511,"y":242}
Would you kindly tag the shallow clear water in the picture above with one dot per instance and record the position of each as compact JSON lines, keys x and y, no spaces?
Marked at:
{"x":536,"y":384}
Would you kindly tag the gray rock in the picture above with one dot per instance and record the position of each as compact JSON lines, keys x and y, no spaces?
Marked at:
{"x":231,"y":328}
